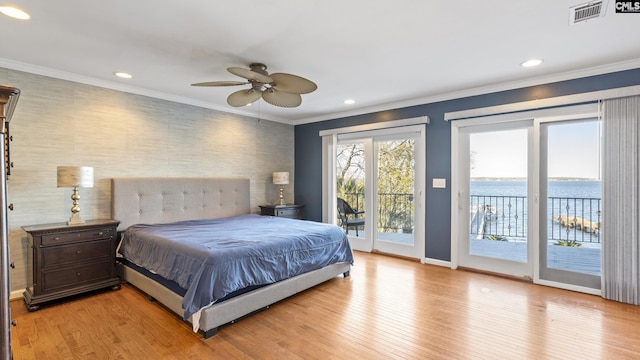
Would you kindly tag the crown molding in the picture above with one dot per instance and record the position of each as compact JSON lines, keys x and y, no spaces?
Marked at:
{"x":540,"y":80}
{"x":63,"y":75}
{"x":563,"y":76}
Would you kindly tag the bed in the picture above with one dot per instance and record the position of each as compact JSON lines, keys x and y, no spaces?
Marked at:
{"x":152,"y":207}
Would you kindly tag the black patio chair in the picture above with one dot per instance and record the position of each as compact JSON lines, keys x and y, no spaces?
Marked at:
{"x":349,"y":217}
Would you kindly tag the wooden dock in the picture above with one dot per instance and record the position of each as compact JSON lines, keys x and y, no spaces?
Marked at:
{"x":581,"y":259}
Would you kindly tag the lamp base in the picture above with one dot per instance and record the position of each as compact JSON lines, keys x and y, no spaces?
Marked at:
{"x":281,"y":197}
{"x":75,"y":219}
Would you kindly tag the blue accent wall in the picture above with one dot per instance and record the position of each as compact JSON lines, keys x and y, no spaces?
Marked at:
{"x":308,"y":147}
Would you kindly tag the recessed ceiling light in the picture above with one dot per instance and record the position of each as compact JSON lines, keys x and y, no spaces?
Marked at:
{"x":531,"y":63}
{"x":123,"y":75}
{"x":349,"y":102}
{"x":14,"y":13}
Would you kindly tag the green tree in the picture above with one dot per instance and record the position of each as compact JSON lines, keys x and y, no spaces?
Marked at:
{"x":350,"y":173}
{"x":396,"y":165}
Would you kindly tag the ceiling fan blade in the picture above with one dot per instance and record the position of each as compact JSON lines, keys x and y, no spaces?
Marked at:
{"x":293,"y":83}
{"x":221,"y":83}
{"x":281,"y":98}
{"x":250,"y":75}
{"x":243,"y":97}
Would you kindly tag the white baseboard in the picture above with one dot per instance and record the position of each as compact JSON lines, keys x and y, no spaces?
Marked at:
{"x":437,"y":262}
{"x":16,"y":294}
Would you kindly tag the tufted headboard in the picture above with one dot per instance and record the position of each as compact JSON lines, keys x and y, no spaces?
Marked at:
{"x":162,"y":200}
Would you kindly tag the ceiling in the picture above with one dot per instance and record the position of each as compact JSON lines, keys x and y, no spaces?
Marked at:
{"x":383,"y":54}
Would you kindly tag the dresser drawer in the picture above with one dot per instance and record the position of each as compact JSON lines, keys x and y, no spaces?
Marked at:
{"x":83,"y":235}
{"x":291,"y":211}
{"x":78,"y":252}
{"x":294,"y":213}
{"x":77,"y":275}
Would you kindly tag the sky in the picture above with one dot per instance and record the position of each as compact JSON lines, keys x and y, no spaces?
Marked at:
{"x":573,"y":151}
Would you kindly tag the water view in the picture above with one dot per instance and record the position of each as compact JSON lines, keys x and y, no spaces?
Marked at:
{"x":499,"y":211}
{"x":557,"y":188}
{"x":501,"y":159}
{"x":498,"y":221}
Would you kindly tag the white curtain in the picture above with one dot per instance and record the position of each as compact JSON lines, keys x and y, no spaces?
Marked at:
{"x":621,"y":200}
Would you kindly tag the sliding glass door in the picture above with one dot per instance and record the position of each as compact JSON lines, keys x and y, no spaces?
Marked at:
{"x":527,"y":197}
{"x":494,"y":194}
{"x":379,"y":194}
{"x":570,"y":202}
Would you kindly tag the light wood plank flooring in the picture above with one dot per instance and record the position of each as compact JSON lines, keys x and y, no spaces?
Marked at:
{"x":389,"y":308}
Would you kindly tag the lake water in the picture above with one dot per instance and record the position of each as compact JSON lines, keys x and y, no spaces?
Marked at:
{"x":557,"y":188}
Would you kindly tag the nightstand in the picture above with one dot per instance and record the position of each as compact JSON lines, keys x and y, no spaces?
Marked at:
{"x":287,"y":211}
{"x":65,"y":260}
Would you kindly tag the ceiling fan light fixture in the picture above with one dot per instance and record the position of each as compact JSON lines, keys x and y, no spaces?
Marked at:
{"x":349,"y":102}
{"x":258,"y":73}
{"x":279,"y":89}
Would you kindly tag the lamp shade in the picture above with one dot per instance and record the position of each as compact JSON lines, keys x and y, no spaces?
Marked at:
{"x":75,"y":176}
{"x":281,"y":178}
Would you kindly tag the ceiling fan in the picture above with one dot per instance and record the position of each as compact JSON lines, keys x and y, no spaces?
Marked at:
{"x":279,"y":89}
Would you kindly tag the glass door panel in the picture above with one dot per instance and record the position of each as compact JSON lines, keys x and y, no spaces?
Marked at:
{"x":378,"y":181}
{"x":495,"y":211}
{"x":396,"y":200}
{"x":351,"y":171}
{"x":570,"y":206}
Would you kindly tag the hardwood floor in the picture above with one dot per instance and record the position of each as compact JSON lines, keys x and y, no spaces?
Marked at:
{"x":388,"y":308}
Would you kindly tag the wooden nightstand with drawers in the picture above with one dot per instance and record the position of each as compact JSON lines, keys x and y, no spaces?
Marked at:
{"x":287,"y":211}
{"x":66,"y":260}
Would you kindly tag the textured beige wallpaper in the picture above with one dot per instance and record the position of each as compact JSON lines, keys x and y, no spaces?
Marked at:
{"x":59,"y":122}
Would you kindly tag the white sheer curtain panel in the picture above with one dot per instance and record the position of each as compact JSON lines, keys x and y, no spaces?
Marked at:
{"x":621,"y":200}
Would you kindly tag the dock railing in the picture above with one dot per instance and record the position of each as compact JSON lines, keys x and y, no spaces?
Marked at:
{"x":505,"y":217}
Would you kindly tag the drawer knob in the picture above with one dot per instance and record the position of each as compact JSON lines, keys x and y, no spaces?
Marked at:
{"x":14,"y":323}
{"x":100,"y":233}
{"x":12,"y":265}
{"x":11,"y":206}
{"x":78,"y":252}
{"x":78,"y":273}
{"x":56,"y":239}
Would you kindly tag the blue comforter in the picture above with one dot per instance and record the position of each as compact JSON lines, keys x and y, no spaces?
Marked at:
{"x":212,"y":258}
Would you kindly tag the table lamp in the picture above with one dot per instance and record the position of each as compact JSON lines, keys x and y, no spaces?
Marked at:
{"x":75,"y":176}
{"x":281,"y":178}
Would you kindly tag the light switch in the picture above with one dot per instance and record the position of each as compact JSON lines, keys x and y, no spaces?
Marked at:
{"x":439,"y":183}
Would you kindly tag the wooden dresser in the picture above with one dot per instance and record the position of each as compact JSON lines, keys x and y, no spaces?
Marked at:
{"x":66,"y":260}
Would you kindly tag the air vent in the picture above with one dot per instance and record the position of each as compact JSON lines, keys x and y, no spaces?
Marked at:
{"x":587,"y":11}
